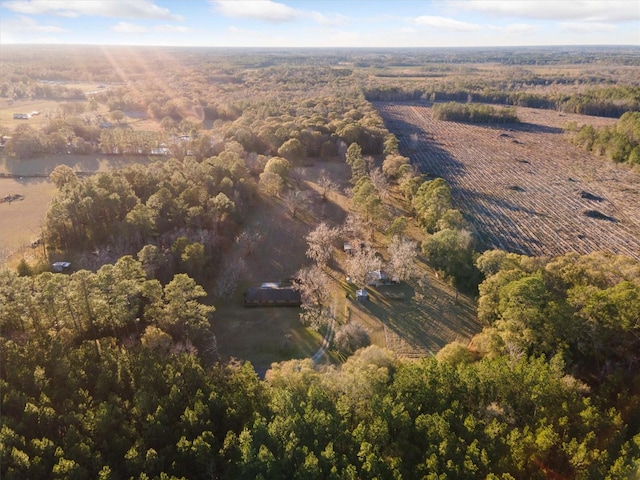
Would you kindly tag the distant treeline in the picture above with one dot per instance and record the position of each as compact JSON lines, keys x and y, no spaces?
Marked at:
{"x":473,"y":113}
{"x":621,"y":142}
{"x":604,"y":102}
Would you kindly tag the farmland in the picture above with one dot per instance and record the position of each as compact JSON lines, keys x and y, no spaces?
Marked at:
{"x":524,"y":187}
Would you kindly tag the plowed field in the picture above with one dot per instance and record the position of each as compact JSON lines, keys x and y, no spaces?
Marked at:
{"x":523,"y":186}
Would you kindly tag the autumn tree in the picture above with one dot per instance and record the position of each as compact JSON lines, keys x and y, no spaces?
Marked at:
{"x":314,"y":287}
{"x":402,"y":257}
{"x":360,"y":263}
{"x":320,"y":244}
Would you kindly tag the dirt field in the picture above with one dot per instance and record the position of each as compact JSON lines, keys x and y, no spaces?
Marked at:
{"x":524,"y":187}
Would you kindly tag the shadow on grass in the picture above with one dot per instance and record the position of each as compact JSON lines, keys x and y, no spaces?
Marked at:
{"x":421,"y":320}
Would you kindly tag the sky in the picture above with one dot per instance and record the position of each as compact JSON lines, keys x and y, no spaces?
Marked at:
{"x":326,"y":23}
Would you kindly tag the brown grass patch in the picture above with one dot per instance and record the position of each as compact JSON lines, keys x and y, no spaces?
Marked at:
{"x":9,"y":107}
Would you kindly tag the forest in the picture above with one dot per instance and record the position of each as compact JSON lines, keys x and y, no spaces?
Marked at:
{"x":113,"y":370}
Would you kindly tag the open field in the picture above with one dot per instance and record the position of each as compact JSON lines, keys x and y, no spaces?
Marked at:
{"x":21,"y":219}
{"x":523,"y":186}
{"x":9,"y":107}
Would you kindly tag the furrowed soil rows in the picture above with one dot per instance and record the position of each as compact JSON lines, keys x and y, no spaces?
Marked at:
{"x":524,"y":187}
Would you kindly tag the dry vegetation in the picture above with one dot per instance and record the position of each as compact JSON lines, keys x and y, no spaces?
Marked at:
{"x":524,"y":187}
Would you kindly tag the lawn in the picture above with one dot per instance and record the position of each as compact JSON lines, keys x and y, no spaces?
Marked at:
{"x":414,"y":319}
{"x":263,"y":335}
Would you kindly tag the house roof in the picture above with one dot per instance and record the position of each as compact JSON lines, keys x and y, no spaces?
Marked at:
{"x":285,"y":296}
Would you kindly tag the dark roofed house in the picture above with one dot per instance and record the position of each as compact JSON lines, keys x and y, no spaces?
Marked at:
{"x":272,"y":296}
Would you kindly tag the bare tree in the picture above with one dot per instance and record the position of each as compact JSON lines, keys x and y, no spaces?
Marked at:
{"x":351,"y":337}
{"x":355,"y":227}
{"x":313,"y":285}
{"x":229,"y":277}
{"x":296,"y":201}
{"x":326,"y":185}
{"x":363,"y":261}
{"x":320,"y":241}
{"x":297,"y":177}
{"x":402,"y":256}
{"x":249,"y":239}
{"x":380,"y":182}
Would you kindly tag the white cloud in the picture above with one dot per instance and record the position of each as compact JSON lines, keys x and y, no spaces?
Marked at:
{"x":26,"y":25}
{"x":587,"y":27}
{"x":127,"y":27}
{"x":328,"y":20}
{"x":173,"y":29}
{"x":443,"y":23}
{"x":520,"y":29}
{"x":100,"y":8}
{"x":578,"y":10}
{"x":256,"y":9}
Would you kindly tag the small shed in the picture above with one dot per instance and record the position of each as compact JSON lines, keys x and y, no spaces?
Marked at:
{"x":362,"y":296}
{"x":378,"y":277}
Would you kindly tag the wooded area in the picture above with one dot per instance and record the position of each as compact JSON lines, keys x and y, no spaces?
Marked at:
{"x":112,"y":369}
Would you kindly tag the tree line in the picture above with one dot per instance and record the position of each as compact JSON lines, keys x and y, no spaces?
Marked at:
{"x":610,"y":101}
{"x":473,"y":113}
{"x":620,"y":142}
